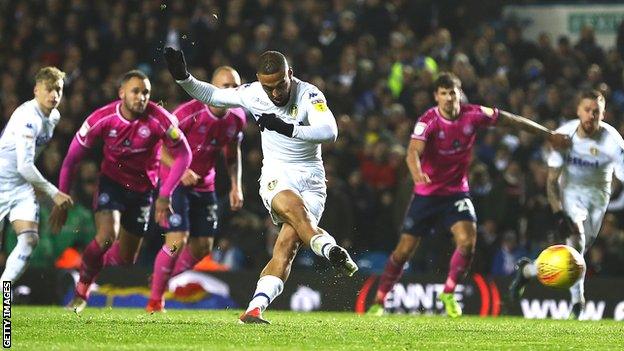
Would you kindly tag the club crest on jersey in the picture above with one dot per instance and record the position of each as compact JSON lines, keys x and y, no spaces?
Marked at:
{"x":294,"y":110}
{"x":468,"y":129}
{"x":272,"y":184}
{"x":201,"y":130}
{"x":144,"y":131}
{"x":230,"y":131}
{"x":312,"y":95}
{"x":593,"y":151}
{"x":441,"y":135}
{"x":112,"y":133}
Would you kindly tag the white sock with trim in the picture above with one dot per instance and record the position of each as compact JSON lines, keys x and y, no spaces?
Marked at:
{"x":268,"y":288}
{"x":322,"y":243}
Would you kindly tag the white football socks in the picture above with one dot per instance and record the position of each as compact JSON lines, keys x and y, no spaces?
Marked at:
{"x":322,"y":243}
{"x":268,"y":288}
{"x":17,"y":261}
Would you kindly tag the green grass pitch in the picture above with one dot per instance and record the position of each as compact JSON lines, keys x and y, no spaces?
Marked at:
{"x":52,"y":328}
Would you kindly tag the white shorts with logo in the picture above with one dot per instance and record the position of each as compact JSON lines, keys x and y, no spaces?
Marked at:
{"x":588,"y":207}
{"x":307,"y":180}
{"x":19,"y":204}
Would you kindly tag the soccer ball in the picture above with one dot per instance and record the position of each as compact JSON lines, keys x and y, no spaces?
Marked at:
{"x":559,"y":266}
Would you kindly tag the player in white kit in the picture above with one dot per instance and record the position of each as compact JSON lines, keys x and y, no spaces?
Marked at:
{"x":579,"y":186}
{"x":294,"y":120}
{"x":28,"y":131}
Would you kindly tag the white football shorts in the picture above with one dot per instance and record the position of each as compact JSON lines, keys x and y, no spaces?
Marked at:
{"x":20,"y":204}
{"x":306,"y":180}
{"x":586,"y":207}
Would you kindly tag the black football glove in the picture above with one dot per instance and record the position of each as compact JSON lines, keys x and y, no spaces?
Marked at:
{"x":271,"y":122}
{"x":176,"y":63}
{"x":565,"y":225}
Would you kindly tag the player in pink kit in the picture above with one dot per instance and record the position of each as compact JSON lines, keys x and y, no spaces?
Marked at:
{"x":209,"y":130}
{"x":131,"y":130}
{"x":438,"y":158}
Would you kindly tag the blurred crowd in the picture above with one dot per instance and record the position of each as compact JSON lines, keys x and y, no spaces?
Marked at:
{"x":375,"y":61}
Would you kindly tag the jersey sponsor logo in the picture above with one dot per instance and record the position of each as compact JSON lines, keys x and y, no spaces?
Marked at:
{"x":272,"y":184}
{"x":84,"y":129}
{"x":174,"y":133}
{"x":294,"y":110}
{"x":577,"y":161}
{"x":419,"y":129}
{"x":144,"y":132}
{"x":320,"y":105}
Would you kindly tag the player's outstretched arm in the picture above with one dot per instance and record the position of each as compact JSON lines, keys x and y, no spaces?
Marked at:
{"x":200,"y":90}
{"x":414,"y":151}
{"x":558,"y":140}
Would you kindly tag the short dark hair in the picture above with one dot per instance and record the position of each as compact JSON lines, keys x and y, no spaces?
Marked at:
{"x":271,"y":62}
{"x":446,"y":80}
{"x":591,"y":94}
{"x":135,"y":73}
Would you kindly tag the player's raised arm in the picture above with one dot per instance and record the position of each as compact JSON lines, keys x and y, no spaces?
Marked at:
{"x":200,"y":90}
{"x":558,"y":140}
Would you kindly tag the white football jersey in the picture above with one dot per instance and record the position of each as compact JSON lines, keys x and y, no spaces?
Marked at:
{"x":590,"y":162}
{"x":306,"y":107}
{"x":26,"y":134}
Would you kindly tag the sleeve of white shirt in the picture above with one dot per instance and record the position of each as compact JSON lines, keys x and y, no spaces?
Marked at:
{"x":322,"y":126}
{"x":211,"y":95}
{"x":25,"y":138}
{"x":618,"y":155}
{"x":555,"y":158}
